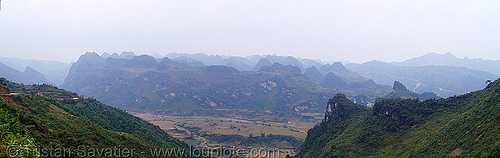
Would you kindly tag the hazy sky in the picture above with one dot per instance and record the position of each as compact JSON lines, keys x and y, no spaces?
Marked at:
{"x":341,"y":30}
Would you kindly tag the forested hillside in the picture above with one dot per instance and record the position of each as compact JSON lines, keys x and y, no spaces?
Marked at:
{"x":466,"y":125}
{"x":31,"y":117}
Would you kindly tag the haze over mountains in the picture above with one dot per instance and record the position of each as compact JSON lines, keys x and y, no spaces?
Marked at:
{"x":449,"y":59}
{"x":443,"y":80}
{"x":400,"y":91}
{"x":53,"y":71}
{"x":429,"y":73}
{"x":28,"y":76}
{"x":280,"y":83}
{"x":143,"y":83}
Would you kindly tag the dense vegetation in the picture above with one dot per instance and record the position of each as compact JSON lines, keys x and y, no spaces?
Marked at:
{"x":32,"y":121}
{"x":466,"y":125}
{"x":114,"y":119}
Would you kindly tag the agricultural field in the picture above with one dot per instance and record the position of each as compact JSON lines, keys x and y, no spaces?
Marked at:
{"x":230,"y":127}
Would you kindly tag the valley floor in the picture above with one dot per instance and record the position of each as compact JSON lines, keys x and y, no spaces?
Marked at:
{"x":240,"y":128}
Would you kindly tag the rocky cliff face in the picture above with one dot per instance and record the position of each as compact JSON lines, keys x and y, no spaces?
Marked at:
{"x":339,"y":107}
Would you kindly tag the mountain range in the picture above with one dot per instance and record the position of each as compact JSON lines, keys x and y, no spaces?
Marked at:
{"x":275,"y":82}
{"x":449,"y":59}
{"x":443,"y":80}
{"x":53,"y":71}
{"x":146,"y":83}
{"x":428,"y":73}
{"x":400,"y":91}
{"x":28,"y":76}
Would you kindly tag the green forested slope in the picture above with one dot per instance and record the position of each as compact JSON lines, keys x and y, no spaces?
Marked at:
{"x":466,"y":125}
{"x":114,"y":119}
{"x":31,"y":121}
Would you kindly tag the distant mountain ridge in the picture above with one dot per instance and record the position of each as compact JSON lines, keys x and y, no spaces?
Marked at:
{"x":429,"y":78}
{"x":53,"y":71}
{"x":29,"y":76}
{"x":267,"y":61}
{"x":449,"y":59}
{"x":400,"y":91}
{"x":143,"y":83}
{"x":443,"y":80}
{"x":354,"y":79}
{"x":249,"y":63}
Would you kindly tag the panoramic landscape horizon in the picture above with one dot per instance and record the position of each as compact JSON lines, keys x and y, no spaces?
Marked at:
{"x":230,"y":78}
{"x":67,"y":60}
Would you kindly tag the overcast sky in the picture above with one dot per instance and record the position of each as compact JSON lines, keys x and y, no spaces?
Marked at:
{"x":340,"y":30}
